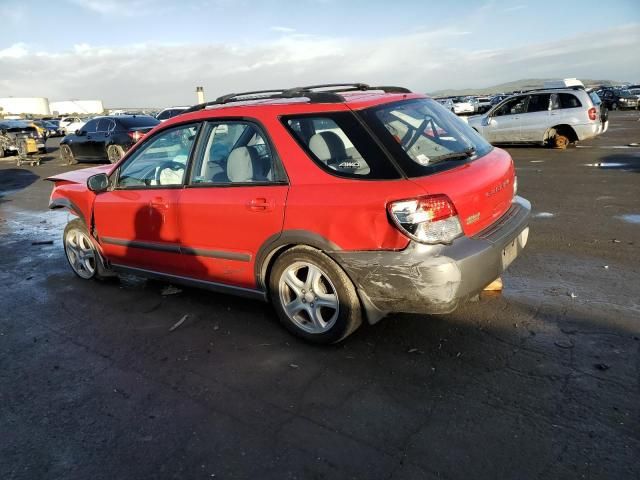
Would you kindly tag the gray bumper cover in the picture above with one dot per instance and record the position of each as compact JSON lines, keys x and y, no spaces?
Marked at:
{"x":436,"y":278}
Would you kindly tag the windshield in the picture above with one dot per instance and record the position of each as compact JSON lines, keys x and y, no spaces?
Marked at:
{"x":425,"y":135}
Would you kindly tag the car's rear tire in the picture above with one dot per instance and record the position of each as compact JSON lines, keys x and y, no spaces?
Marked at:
{"x":313,"y":296}
{"x":614,"y":106}
{"x":82,"y":254}
{"x":115,"y":153}
{"x":67,"y":155}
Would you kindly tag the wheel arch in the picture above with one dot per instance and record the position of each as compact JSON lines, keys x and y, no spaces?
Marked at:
{"x":277,"y":244}
{"x":563,"y":129}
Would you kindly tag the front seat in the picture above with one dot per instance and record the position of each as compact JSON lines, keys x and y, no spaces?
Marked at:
{"x":244,"y":165}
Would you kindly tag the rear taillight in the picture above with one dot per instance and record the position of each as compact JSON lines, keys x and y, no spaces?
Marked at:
{"x":431,"y":219}
{"x":135,"y":135}
{"x":593,"y":113}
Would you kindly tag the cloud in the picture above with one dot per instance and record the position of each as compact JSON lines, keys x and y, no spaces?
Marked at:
{"x":115,"y":7}
{"x":282,"y":29}
{"x":16,"y":50}
{"x":159,"y":75}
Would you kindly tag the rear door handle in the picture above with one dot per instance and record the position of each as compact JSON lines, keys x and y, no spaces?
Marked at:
{"x":260,"y":205}
{"x":158,"y":202}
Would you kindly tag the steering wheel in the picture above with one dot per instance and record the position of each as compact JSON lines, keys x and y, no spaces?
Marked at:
{"x":169,"y":165}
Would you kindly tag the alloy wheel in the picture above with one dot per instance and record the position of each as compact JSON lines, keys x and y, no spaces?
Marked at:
{"x":308,"y":297}
{"x":80,"y":253}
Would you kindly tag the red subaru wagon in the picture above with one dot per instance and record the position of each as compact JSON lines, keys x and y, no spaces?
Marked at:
{"x":338,"y":203}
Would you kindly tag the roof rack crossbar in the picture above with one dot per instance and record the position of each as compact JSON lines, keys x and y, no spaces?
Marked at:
{"x":255,"y":93}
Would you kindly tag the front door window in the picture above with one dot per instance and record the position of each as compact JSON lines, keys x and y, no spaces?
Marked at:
{"x":161,"y":161}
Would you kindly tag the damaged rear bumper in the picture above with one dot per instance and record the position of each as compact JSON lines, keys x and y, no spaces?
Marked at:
{"x":436,"y":278}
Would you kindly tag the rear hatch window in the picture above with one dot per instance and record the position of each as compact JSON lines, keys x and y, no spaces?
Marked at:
{"x":424,"y":137}
{"x":139,"y":122}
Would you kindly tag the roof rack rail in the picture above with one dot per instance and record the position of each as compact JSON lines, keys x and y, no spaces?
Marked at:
{"x":324,"y":93}
{"x":572,"y":87}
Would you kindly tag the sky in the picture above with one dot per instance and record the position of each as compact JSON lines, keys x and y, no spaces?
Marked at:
{"x":143,"y":53}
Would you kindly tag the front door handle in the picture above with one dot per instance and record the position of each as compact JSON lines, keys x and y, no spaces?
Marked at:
{"x":260,"y":205}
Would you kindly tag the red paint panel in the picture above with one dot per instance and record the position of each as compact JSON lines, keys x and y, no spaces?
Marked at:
{"x":229,"y":221}
{"x":484,"y":186}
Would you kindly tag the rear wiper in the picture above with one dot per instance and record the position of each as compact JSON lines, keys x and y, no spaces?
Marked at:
{"x":467,"y":153}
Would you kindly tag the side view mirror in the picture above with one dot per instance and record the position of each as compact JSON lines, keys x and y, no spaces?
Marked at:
{"x":98,"y":183}
{"x":81,"y":133}
{"x":486,"y":120}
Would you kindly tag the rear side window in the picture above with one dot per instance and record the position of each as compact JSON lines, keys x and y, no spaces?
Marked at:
{"x":105,"y":125}
{"x":90,"y":127}
{"x":564,"y":100}
{"x":340,"y":145}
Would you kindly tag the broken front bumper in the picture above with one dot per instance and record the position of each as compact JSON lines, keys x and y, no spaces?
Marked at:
{"x":436,"y":278}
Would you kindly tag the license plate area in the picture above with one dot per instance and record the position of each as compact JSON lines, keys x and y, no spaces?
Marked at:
{"x":509,"y":253}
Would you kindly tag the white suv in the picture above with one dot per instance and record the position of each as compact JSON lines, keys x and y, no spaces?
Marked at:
{"x":552,"y":116}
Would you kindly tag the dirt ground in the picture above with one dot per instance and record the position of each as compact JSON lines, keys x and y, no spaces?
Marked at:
{"x":542,"y":381}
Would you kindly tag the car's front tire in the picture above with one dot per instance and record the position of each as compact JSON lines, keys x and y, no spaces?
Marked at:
{"x":82,"y":254}
{"x":313,"y":296}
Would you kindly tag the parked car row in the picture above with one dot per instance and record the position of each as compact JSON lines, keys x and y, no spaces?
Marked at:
{"x":620,"y":98}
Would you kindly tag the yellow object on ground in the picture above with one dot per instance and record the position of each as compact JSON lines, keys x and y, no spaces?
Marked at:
{"x":495,"y":286}
{"x":32,"y":146}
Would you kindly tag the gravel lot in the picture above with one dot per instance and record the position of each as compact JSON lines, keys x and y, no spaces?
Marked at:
{"x":542,"y":381}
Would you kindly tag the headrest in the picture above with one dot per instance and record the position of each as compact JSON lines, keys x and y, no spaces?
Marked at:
{"x":327,"y":146}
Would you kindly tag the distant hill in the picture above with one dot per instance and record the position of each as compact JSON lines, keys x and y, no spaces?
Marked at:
{"x":524,"y":84}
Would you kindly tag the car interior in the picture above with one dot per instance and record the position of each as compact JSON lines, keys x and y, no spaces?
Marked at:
{"x":329,"y":144}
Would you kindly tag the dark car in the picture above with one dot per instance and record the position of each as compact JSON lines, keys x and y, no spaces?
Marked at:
{"x":105,"y":138}
{"x":618,"y":99}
